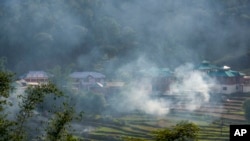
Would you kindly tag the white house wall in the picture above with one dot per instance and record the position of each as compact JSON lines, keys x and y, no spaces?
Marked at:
{"x":229,"y":89}
{"x":246,"y":88}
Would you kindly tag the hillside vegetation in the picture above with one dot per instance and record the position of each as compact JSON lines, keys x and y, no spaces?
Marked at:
{"x":107,"y":35}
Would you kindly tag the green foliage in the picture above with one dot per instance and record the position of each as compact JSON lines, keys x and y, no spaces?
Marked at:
{"x":183,"y":131}
{"x":5,"y":88}
{"x":5,"y":124}
{"x":16,"y":130}
{"x":34,"y":96}
{"x":57,"y":129}
{"x":61,"y":79}
{"x":246,"y":107}
{"x":6,"y":79}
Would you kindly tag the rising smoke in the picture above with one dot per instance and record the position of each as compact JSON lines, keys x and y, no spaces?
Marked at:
{"x":192,"y":88}
{"x":194,"y":85}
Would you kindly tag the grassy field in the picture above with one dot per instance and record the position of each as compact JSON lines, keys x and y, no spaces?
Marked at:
{"x":213,"y":120}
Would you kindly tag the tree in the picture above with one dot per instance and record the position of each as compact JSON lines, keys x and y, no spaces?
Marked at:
{"x":16,"y":130}
{"x":246,"y":107}
{"x":183,"y":131}
{"x":5,"y":88}
{"x":57,"y":129}
{"x":34,"y":96}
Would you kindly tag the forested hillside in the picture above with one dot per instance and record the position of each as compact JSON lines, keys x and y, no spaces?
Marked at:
{"x":104,"y":35}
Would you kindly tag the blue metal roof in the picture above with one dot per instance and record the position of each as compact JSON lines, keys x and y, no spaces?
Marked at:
{"x":226,"y":73}
{"x":206,"y":65}
{"x":216,"y":71}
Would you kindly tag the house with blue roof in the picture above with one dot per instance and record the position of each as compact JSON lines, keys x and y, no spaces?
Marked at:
{"x":228,"y":81}
{"x":87,"y":80}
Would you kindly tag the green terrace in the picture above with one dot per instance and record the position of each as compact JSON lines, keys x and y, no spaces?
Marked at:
{"x":213,"y":125}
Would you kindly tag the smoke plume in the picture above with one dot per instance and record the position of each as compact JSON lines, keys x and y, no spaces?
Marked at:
{"x":193,"y":85}
{"x":191,"y":88}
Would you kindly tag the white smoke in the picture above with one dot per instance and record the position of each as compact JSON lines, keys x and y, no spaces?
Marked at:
{"x":138,"y":93}
{"x":193,"y":85}
{"x":139,"y":96}
{"x":13,"y":102}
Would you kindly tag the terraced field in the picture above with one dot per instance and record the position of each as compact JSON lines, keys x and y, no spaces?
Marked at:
{"x":213,"y":120}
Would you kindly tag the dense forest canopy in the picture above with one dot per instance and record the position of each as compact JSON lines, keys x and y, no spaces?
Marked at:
{"x":105,"y":35}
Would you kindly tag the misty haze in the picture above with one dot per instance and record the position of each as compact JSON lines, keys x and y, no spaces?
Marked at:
{"x":123,"y":70}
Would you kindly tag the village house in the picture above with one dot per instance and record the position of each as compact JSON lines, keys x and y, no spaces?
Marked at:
{"x":153,"y":80}
{"x":87,"y":80}
{"x":35,"y":78}
{"x":227,"y":81}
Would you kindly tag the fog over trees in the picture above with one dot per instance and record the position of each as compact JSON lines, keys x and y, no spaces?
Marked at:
{"x":104,"y":35}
